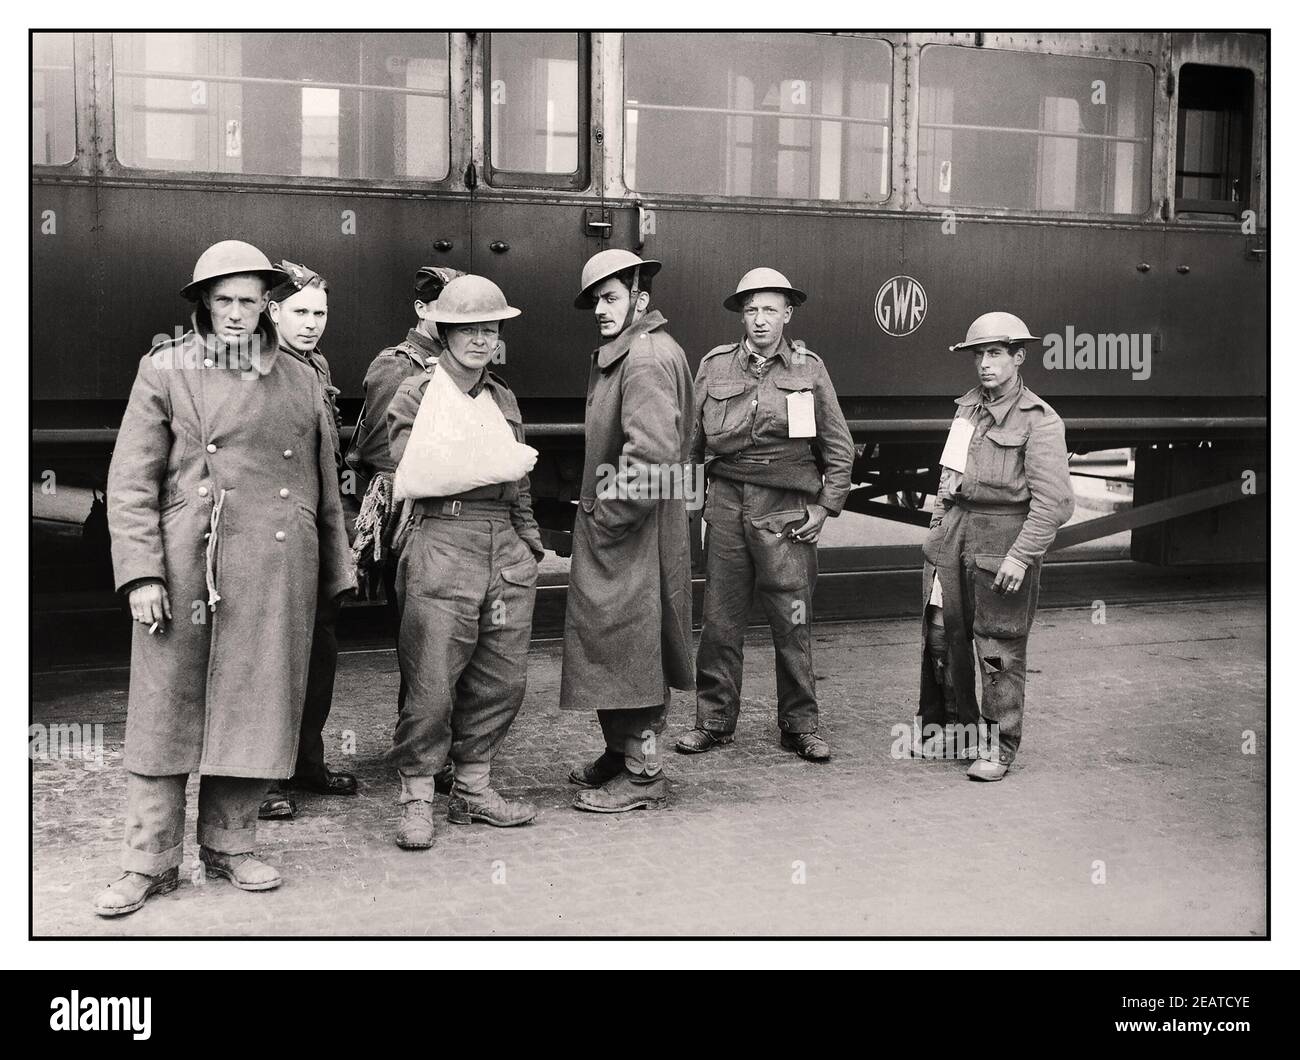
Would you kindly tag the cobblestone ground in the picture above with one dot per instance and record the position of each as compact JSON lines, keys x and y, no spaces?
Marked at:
{"x":1132,"y":770}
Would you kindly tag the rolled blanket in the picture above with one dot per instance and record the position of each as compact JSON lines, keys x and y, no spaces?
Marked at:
{"x":373,"y":526}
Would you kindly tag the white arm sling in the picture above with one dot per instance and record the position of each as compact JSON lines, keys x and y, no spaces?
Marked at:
{"x":458,"y":443}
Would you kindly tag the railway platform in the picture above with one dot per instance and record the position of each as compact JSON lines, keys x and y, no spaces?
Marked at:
{"x":1137,"y":805}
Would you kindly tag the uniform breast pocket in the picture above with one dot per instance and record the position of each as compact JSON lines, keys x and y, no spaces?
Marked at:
{"x":724,"y":407}
{"x":1003,"y":458}
{"x":790,"y":409}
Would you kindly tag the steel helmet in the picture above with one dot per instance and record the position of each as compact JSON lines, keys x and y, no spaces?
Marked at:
{"x":609,"y":263}
{"x":995,"y":327}
{"x":230,"y":257}
{"x":472,"y":300}
{"x":763,"y":280}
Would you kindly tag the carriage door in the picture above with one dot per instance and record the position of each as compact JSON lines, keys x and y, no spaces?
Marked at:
{"x":537,"y":210}
{"x":1215,"y":274}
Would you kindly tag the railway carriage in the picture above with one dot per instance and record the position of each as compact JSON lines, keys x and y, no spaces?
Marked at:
{"x":1110,"y":188}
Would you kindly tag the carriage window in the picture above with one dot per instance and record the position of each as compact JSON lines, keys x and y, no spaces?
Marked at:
{"x":1213,"y":172}
{"x":770,"y":115}
{"x":367,"y":106}
{"x":54,"y":116}
{"x":537,"y":109}
{"x":1034,"y":132}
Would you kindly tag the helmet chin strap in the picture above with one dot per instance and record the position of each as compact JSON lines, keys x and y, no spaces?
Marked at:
{"x":635,"y":293}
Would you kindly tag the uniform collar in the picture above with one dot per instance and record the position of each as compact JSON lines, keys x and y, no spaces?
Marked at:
{"x":783,"y":350}
{"x":311,"y":358}
{"x":618,"y":346}
{"x":268,"y":346}
{"x":428,"y":347}
{"x":999,"y":407}
{"x":487,"y":382}
{"x":1019,"y":396}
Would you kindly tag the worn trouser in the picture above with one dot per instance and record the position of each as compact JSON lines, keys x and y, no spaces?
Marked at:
{"x":467,"y":585}
{"x":967,"y":549}
{"x":634,"y":734}
{"x":155,"y":818}
{"x":321,"y":668}
{"x":936,"y":652}
{"x":747,"y":550}
{"x":393,"y":608}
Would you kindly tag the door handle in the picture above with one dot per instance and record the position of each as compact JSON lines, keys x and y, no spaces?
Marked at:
{"x":498,"y":246}
{"x":597,"y":222}
{"x":442,"y":245}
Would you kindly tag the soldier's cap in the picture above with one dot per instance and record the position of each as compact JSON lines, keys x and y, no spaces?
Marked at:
{"x":431,"y":279}
{"x":296,"y":278}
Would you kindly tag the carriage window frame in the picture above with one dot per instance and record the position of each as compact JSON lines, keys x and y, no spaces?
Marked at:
{"x":1151,"y":196}
{"x":1246,"y":113}
{"x":577,"y":180}
{"x":74,"y":97}
{"x":116,"y":165}
{"x":892,"y":149}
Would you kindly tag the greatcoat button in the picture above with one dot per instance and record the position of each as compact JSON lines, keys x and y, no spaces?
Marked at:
{"x":212,"y":447}
{"x":279,"y":535}
{"x":207,"y":535}
{"x":207,"y":362}
{"x":284,"y":493}
{"x":203,"y":491}
{"x":288,"y":453}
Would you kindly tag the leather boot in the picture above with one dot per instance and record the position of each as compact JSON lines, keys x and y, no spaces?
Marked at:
{"x":699,"y":740}
{"x":415,"y":829}
{"x":624,"y":792}
{"x":243,"y":870}
{"x":131,"y":890}
{"x":985,"y":769}
{"x":807,"y":745}
{"x":490,"y":807}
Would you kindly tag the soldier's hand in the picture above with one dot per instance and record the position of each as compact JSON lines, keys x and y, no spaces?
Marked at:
{"x":809,"y":530}
{"x":1009,"y":577}
{"x":149,"y":603}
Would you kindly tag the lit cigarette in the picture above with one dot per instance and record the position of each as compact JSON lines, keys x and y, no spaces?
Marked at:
{"x":153,"y":629}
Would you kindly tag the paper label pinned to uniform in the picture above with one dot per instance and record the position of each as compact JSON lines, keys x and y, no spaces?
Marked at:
{"x":958,"y":444}
{"x":799,"y":413}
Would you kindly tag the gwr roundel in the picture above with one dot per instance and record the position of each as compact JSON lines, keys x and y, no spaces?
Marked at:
{"x":900,"y":306}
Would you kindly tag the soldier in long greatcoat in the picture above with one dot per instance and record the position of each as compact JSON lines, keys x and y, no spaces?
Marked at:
{"x":627,"y":629}
{"x":225,"y":520}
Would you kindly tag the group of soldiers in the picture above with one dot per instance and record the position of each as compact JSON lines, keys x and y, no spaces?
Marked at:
{"x":235,"y":546}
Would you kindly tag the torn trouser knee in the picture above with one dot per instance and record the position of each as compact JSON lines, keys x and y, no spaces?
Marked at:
{"x":1002,"y":679}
